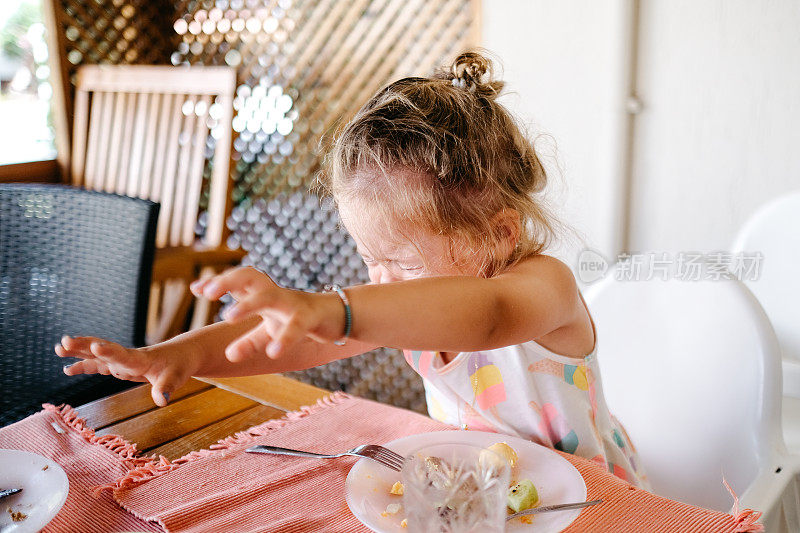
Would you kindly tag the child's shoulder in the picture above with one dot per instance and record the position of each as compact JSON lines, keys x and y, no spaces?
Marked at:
{"x":571,"y":332}
{"x":544,"y":267}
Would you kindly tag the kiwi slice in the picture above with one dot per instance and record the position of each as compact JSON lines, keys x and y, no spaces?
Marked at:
{"x":522,"y":496}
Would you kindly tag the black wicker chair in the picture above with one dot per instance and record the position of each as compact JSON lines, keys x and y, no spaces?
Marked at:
{"x":72,"y":262}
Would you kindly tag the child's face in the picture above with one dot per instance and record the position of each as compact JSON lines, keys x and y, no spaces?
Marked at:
{"x":389,"y":257}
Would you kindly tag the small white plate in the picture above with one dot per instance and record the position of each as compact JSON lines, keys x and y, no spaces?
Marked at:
{"x":556,"y":480}
{"x":44,"y":490}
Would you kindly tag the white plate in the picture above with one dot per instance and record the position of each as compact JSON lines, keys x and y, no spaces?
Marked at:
{"x":557,"y":481}
{"x":44,"y":490}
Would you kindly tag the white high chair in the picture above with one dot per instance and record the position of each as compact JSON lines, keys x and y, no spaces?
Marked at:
{"x":774,"y":232}
{"x":692,"y":370}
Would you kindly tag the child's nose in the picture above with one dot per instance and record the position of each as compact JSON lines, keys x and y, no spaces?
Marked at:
{"x":388,"y":277}
{"x":381,"y":274}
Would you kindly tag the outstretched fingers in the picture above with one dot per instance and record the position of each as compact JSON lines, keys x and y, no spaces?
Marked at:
{"x":288,"y":335}
{"x":165,"y":385}
{"x":197,"y":286}
{"x":249,"y":305}
{"x":76,"y":347}
{"x":87,"y":366}
{"x":99,"y":356}
{"x":251,"y":344}
{"x":110,"y":350}
{"x":259,"y":341}
{"x":239,"y":282}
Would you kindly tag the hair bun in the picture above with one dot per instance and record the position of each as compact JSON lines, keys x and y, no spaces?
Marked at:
{"x":469,"y":71}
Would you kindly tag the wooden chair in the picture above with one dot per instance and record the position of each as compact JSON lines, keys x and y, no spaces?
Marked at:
{"x":141,"y":130}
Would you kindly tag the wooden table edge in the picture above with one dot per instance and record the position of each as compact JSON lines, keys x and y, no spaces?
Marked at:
{"x":273,"y":390}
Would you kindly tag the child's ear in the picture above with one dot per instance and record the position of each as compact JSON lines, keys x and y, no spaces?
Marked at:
{"x":507,"y":229}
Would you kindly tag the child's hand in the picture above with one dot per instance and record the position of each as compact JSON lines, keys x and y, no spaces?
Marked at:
{"x":109,"y":358}
{"x":287,"y":316}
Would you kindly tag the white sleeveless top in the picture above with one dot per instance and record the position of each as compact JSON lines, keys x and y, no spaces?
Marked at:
{"x":530,"y":392}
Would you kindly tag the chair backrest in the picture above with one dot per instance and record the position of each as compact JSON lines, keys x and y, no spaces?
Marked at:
{"x":692,"y":370}
{"x":774,"y":232}
{"x":72,"y":262}
{"x":144,"y":131}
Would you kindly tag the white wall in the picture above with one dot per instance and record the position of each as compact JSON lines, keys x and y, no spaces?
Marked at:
{"x":720,"y":130}
{"x":563,"y":63}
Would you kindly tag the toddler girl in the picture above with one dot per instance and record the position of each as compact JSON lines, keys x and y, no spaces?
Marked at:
{"x":438,"y":188}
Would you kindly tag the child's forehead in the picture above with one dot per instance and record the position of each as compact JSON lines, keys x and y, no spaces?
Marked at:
{"x":378,"y":236}
{"x":359,"y":217}
{"x":373,"y":234}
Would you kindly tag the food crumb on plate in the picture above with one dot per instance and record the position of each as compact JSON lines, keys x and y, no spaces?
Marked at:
{"x":397,"y":489}
{"x":16,"y":516}
{"x":45,"y":467}
{"x":404,"y":523}
{"x":526,"y":519}
{"x":392,"y":509}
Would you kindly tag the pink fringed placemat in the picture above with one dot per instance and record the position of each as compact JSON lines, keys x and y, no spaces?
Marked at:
{"x":627,"y":508}
{"x":88,"y":461}
{"x":223,"y":489}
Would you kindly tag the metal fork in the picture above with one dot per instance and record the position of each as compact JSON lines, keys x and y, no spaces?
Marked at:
{"x":384,"y":456}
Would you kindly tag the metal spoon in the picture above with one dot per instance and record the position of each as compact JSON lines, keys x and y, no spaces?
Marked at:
{"x":8,"y":492}
{"x":548,"y":508}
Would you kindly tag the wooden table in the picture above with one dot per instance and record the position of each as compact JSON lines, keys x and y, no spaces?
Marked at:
{"x":199,"y":414}
{"x":204,"y":412}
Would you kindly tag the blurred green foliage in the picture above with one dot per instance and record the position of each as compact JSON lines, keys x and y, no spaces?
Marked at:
{"x":13,"y":40}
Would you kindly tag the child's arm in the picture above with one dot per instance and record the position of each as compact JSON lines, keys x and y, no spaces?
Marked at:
{"x":531,"y":300}
{"x":454,"y":314}
{"x":200,"y":352}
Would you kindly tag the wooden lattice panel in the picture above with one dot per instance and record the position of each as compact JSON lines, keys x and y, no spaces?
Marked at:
{"x":303,"y":65}
{"x":306,"y":64}
{"x":114,"y":32}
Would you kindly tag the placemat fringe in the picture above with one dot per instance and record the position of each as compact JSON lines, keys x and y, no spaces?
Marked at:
{"x":155,"y":467}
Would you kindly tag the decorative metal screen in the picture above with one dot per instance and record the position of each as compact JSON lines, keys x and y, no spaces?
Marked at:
{"x":303,"y":67}
{"x":113,"y":31}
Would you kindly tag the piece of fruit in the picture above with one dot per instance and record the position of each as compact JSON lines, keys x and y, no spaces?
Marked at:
{"x":489,"y":456}
{"x":522,"y":496}
{"x":505,"y":451}
{"x":397,"y":489}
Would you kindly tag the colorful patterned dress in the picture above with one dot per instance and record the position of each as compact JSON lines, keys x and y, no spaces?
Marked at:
{"x":529,"y":392}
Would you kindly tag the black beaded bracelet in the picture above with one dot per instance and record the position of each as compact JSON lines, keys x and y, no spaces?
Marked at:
{"x":348,"y":314}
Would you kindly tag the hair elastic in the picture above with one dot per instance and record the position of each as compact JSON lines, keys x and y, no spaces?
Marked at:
{"x":348,"y":313}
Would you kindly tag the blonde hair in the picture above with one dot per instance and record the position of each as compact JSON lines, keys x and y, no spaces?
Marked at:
{"x":444,"y":155}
